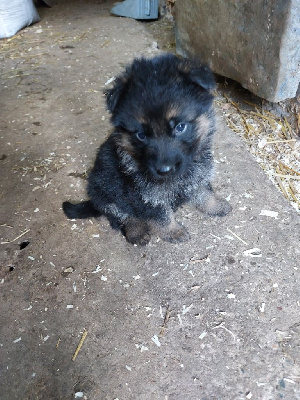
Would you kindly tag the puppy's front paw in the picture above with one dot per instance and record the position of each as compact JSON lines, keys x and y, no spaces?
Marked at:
{"x":218,"y":208}
{"x":177,"y":235}
{"x":137,"y":232}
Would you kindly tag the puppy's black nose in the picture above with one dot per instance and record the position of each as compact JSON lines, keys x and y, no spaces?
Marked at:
{"x":164,"y":170}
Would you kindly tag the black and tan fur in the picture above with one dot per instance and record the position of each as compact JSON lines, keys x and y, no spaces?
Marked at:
{"x":159,"y":154}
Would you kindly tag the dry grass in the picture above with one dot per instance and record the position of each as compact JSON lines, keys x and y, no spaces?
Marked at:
{"x":271,"y":140}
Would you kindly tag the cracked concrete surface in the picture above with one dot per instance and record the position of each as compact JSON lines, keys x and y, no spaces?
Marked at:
{"x":214,"y":318}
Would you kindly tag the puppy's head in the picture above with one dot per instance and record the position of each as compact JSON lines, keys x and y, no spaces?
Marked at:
{"x":162,"y":111}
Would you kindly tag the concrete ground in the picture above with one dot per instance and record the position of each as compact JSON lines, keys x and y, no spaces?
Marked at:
{"x":214,"y":318}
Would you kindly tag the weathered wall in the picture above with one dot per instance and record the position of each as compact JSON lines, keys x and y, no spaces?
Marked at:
{"x":255,"y":43}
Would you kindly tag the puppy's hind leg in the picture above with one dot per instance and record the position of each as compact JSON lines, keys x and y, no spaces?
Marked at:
{"x":207,"y":202}
{"x":80,"y":210}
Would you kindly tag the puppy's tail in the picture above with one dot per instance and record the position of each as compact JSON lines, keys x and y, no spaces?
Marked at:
{"x":80,"y":210}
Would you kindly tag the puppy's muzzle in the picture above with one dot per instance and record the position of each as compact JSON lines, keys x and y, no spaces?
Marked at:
{"x":165,"y":162}
{"x":167,"y":169}
{"x":164,"y":159}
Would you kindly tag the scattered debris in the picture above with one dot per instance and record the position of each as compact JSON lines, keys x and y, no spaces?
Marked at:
{"x":166,"y":319}
{"x":261,"y":383}
{"x":239,"y":238}
{"x":255,"y":252}
{"x":156,"y":340}
{"x":195,"y":288}
{"x":214,"y":236}
{"x":161,"y":312}
{"x":98,"y":269}
{"x":58,"y":342}
{"x":179,"y":319}
{"x":141,"y":347}
{"x":110,"y":81}
{"x":68,"y":270}
{"x":262,"y":307}
{"x":18,"y":237}
{"x":194,"y":260}
{"x":268,"y":213}
{"x":187,"y":309}
{"x":203,"y":334}
{"x":225,"y":329}
{"x":228,"y":237}
{"x":231,"y":296}
{"x":80,"y":344}
{"x":289,"y":380}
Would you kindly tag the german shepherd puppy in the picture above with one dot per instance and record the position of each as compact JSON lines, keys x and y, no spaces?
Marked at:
{"x":159,"y":154}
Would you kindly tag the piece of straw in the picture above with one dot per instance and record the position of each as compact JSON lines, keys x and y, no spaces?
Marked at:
{"x":80,"y":345}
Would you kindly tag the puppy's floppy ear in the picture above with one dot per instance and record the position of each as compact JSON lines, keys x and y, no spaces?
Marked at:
{"x":112,"y":96}
{"x":203,"y":77}
{"x":197,"y":73}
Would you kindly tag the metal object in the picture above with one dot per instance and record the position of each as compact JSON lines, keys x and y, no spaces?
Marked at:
{"x":137,"y":9}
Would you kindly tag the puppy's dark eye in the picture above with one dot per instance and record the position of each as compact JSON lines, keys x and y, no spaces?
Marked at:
{"x":180,"y":128}
{"x":141,"y":136}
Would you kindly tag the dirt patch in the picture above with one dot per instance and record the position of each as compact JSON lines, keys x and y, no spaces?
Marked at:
{"x":216,"y":317}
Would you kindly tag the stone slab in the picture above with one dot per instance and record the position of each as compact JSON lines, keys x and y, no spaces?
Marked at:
{"x":254,"y":43}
